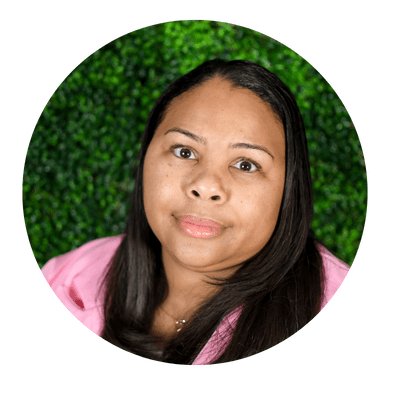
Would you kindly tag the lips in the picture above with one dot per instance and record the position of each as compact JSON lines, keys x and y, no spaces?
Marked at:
{"x":201,"y":228}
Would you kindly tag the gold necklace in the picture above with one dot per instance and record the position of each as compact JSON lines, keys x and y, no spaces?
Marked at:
{"x":178,"y":322}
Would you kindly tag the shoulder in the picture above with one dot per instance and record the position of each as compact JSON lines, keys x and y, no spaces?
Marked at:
{"x":76,"y":277}
{"x":335,"y":272}
{"x":96,"y":251}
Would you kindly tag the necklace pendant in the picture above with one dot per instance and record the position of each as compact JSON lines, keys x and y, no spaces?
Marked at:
{"x":179,"y":324}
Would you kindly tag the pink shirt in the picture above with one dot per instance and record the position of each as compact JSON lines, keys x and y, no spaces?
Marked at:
{"x":75,"y":278}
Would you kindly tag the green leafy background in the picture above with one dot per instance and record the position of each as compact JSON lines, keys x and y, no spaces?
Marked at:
{"x":78,"y":170}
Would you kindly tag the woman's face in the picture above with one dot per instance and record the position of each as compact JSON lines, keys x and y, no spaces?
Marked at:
{"x":214,"y":175}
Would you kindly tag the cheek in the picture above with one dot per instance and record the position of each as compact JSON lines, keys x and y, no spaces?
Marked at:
{"x":259,"y":213}
{"x":158,"y":186}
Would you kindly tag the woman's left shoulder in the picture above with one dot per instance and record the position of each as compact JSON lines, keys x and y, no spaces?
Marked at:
{"x":335,"y":273}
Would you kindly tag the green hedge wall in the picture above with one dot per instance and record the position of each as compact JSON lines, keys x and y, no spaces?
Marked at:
{"x":77,"y":176}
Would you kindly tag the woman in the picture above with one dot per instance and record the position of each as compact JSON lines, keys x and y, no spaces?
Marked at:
{"x":217,"y":261}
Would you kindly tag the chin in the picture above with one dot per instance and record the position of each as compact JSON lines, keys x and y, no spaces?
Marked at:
{"x":199,"y":258}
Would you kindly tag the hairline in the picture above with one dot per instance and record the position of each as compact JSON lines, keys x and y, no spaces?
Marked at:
{"x":223,"y":77}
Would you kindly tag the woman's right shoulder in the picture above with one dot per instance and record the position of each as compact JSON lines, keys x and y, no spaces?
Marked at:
{"x":76,"y":278}
{"x":98,"y":251}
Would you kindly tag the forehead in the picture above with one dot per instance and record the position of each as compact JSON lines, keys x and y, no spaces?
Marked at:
{"x":216,"y":107}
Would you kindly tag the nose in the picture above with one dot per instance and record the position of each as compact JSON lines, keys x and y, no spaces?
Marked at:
{"x":207,"y":186}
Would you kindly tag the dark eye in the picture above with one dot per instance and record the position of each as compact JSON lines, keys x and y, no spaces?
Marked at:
{"x":246,"y":166}
{"x":183,"y":152}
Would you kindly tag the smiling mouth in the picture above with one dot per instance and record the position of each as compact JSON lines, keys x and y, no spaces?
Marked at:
{"x":201,"y":228}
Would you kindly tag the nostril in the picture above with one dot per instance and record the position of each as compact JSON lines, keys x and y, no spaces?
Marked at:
{"x":195,"y":193}
{"x":215,"y":197}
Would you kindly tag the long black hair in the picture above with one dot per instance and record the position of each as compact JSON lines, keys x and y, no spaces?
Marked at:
{"x":280,"y":289}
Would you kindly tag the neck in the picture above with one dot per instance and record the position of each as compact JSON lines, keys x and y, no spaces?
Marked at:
{"x":188,"y":288}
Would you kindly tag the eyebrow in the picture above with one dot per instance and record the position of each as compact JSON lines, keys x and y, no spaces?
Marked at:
{"x":187,"y":133}
{"x":199,"y":139}
{"x":251,"y":146}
